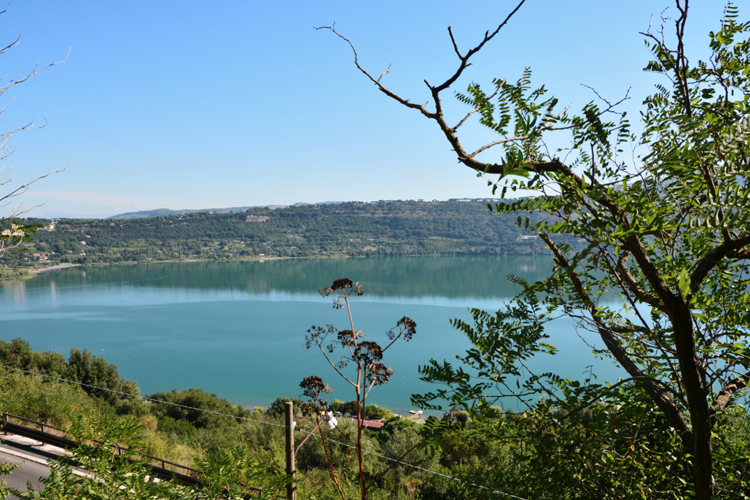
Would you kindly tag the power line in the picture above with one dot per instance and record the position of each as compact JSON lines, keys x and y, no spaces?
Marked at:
{"x":144,"y":398}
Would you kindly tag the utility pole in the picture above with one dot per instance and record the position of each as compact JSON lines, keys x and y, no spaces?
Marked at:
{"x":291,"y":488}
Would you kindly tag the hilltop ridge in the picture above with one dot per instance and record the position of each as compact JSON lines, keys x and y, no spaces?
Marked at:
{"x":320,"y":230}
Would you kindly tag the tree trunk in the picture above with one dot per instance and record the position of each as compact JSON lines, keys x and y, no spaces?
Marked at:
{"x":694,"y":385}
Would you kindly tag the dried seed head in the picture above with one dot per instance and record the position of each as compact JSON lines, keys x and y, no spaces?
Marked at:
{"x":341,"y":284}
{"x":346,"y":338}
{"x":409,"y":326}
{"x":379,"y":373}
{"x":368,"y":352}
{"x":312,"y":387}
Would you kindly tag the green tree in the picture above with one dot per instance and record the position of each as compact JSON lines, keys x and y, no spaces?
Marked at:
{"x":18,"y":354}
{"x":95,"y":372}
{"x":278,"y":407}
{"x":664,"y":217}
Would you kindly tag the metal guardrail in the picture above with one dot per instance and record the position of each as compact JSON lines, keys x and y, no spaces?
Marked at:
{"x":65,"y":443}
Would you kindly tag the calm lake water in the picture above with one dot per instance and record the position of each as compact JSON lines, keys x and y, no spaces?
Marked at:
{"x":237,"y":329}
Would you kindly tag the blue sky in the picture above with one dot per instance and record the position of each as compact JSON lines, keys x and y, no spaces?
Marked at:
{"x":184,"y":104}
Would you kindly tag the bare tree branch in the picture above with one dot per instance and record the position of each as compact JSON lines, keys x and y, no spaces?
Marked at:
{"x":729,"y":390}
{"x":465,"y":59}
{"x":495,"y":143}
{"x":381,"y":87}
{"x":35,"y":71}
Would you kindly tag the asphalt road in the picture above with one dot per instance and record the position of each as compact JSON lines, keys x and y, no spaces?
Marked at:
{"x":28,"y":468}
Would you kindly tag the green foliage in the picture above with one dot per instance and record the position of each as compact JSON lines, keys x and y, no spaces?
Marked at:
{"x":95,"y":371}
{"x":397,"y":423}
{"x":512,"y":336}
{"x":404,"y":443}
{"x":18,"y":354}
{"x":210,"y":430}
{"x":5,"y":469}
{"x":54,"y":403}
{"x":110,"y":474}
{"x":370,"y":412}
{"x":346,"y":229}
{"x":278,"y":407}
{"x":663,"y":219}
{"x":312,"y":455}
{"x":82,"y":366}
{"x":234,"y":454}
{"x":233,"y":472}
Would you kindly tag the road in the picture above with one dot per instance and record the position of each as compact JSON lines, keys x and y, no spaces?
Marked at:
{"x":31,"y":467}
{"x":32,"y":457}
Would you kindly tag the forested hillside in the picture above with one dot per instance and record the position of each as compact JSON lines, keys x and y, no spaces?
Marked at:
{"x":346,"y":229}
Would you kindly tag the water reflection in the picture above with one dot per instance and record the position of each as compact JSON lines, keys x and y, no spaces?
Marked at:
{"x":15,"y":291}
{"x":449,"y":277}
{"x":245,"y":321}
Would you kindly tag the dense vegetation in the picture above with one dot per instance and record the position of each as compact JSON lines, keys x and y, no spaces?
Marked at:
{"x":662,"y":206}
{"x":667,"y":228}
{"x":194,"y":437}
{"x":346,"y":229}
{"x":519,"y":453}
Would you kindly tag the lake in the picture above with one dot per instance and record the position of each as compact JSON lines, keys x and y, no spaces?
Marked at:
{"x":237,"y":329}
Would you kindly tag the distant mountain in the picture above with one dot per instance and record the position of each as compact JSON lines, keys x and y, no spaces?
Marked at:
{"x":61,"y":215}
{"x":166,"y":212}
{"x":302,"y":203}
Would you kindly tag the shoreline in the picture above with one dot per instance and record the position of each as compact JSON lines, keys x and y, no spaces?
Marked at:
{"x":51,"y":268}
{"x":31,"y":272}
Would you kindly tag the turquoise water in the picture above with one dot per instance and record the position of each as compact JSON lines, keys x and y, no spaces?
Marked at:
{"x":237,"y":329}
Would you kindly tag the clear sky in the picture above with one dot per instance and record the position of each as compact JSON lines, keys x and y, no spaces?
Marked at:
{"x":186,"y":104}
